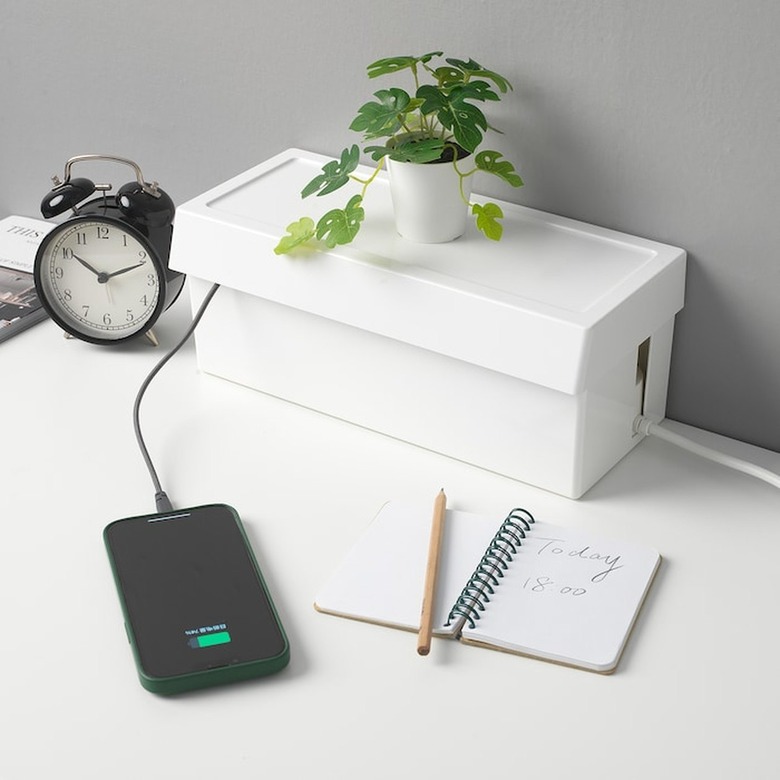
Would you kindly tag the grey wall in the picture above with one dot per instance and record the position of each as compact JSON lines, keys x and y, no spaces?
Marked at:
{"x":660,"y":118}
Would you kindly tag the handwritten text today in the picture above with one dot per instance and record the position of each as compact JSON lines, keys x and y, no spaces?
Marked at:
{"x":583,"y":553}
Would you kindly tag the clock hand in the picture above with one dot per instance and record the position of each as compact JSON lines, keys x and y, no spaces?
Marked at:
{"x":86,"y":265}
{"x":124,"y":270}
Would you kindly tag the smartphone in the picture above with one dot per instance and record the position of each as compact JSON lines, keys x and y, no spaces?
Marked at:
{"x":197,"y":610}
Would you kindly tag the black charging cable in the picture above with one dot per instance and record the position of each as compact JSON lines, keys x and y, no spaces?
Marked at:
{"x":160,"y":496}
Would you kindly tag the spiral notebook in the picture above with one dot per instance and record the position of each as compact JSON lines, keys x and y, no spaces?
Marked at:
{"x":522,"y":586}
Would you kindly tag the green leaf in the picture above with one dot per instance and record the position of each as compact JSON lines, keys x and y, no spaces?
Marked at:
{"x":468,"y":66}
{"x":390,"y":65}
{"x":489,"y":162}
{"x":472,"y":68}
{"x":297,"y":233}
{"x":340,"y":226}
{"x":446,"y":77}
{"x":502,"y":84}
{"x":334,"y":174}
{"x":423,"y":151}
{"x":429,"y":56}
{"x":377,"y":152}
{"x":433,"y":99}
{"x":465,"y":121}
{"x":487,"y":220}
{"x":474,"y":90}
{"x":382,"y":117}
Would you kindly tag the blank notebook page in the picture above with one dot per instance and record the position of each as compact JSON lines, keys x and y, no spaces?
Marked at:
{"x":381,"y":579}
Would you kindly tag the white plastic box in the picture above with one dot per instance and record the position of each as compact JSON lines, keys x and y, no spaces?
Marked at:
{"x":529,"y":357}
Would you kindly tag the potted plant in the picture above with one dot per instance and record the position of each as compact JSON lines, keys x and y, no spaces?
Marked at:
{"x":438,"y":130}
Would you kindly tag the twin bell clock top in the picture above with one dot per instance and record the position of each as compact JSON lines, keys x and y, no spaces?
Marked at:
{"x":530,"y":357}
{"x":102,"y":274}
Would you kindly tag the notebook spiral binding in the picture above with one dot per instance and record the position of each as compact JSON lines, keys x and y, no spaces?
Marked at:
{"x":490,"y":569}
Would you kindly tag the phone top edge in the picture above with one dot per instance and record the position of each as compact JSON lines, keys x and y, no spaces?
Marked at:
{"x":183,"y":512}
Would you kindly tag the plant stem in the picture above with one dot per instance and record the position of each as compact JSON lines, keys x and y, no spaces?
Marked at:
{"x":461,"y":179}
{"x":366,"y":182}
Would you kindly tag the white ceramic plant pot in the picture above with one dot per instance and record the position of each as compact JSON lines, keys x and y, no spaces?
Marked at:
{"x":427,"y":202}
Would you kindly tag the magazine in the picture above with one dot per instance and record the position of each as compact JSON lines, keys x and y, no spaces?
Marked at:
{"x":19,"y":304}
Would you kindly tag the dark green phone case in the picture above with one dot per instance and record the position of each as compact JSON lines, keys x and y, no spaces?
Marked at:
{"x":239,"y":670}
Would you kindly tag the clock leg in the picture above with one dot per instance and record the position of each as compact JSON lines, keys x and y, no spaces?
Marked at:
{"x":152,"y":338}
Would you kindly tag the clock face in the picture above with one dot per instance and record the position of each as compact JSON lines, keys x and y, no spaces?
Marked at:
{"x":98,"y":279}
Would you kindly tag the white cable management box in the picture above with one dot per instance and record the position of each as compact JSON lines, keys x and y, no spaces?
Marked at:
{"x":529,"y":357}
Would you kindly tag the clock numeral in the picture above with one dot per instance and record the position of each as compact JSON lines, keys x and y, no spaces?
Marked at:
{"x":144,"y":300}
{"x":142,"y":255}
{"x":106,"y":319}
{"x":102,"y":231}
{"x":58,"y":272}
{"x":124,"y":239}
{"x":129,"y":315}
{"x":67,"y":295}
{"x":151,"y":280}
{"x":67,"y":253}
{"x":81,"y":239}
{"x":85,"y":309}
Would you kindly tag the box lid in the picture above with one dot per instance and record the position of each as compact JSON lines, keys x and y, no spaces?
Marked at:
{"x":555,"y":302}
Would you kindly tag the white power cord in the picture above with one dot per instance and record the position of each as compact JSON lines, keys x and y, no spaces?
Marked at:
{"x":647,"y":427}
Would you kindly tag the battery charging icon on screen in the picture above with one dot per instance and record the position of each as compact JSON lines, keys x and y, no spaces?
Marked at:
{"x":209,"y":640}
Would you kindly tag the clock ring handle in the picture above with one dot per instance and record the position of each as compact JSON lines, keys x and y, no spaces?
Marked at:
{"x":149,"y":188}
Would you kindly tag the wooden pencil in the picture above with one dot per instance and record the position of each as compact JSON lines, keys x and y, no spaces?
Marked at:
{"x":431,"y":571}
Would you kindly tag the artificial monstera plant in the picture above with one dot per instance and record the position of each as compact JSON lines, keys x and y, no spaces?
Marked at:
{"x":441,"y":120}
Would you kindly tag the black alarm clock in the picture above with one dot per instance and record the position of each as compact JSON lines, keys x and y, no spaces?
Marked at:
{"x":102,"y":274}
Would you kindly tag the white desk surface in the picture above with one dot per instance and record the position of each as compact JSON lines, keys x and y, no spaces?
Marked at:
{"x":696,"y":694}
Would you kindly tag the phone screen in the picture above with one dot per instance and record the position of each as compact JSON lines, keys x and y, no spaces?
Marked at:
{"x":192,"y":593}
